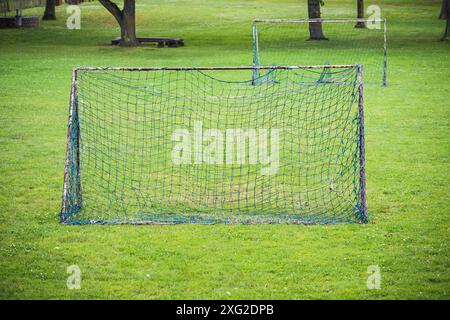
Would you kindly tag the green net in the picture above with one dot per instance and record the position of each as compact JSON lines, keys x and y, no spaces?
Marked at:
{"x":199,"y":145}
{"x":288,"y":42}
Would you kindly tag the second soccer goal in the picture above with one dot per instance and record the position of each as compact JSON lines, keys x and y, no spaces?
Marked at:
{"x":322,"y":42}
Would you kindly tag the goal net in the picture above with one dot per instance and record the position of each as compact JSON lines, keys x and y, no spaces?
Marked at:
{"x":205,"y":145}
{"x":322,"y":42}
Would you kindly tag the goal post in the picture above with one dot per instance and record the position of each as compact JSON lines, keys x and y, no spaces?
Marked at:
{"x":288,"y":42}
{"x":204,"y":145}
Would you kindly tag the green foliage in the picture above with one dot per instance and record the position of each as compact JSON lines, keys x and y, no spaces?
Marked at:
{"x":408,"y":165}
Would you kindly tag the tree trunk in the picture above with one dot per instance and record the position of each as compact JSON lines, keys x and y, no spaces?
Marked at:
{"x":315,"y":28}
{"x":444,"y":10}
{"x":50,"y":10}
{"x":126,"y":19}
{"x":445,"y":37}
{"x":445,"y":15}
{"x":128,"y":27}
{"x":360,"y":15}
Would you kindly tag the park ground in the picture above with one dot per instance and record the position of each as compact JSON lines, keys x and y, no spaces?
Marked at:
{"x":408,"y":165}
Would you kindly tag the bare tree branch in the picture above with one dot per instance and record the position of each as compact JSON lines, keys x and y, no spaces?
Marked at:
{"x":113,"y":9}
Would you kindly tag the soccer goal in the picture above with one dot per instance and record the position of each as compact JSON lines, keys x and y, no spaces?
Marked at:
{"x":205,"y":145}
{"x":321,"y":42}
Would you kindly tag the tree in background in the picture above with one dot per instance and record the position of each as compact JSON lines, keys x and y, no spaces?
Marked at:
{"x":126,"y":19}
{"x":315,"y":28}
{"x":360,"y":14}
{"x":50,"y":10}
{"x":445,"y":15}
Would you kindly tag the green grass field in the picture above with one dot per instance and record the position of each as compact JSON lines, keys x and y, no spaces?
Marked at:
{"x":407,"y":154}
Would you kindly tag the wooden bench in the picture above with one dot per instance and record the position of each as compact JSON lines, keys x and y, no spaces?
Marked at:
{"x":162,"y":42}
{"x":24,"y":21}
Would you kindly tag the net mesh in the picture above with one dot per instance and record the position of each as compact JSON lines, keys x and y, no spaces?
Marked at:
{"x":281,"y":42}
{"x":208,"y":146}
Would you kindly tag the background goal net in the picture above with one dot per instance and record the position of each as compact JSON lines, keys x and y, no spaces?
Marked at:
{"x":206,"y":145}
{"x":290,"y":42}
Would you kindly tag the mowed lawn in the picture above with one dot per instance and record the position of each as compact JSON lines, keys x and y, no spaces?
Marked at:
{"x":408,"y":165}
